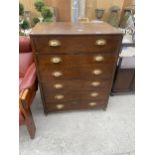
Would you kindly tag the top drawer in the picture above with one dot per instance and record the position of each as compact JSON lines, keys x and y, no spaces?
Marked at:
{"x":78,"y":43}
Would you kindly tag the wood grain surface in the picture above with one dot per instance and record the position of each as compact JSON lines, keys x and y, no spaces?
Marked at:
{"x":78,"y":67}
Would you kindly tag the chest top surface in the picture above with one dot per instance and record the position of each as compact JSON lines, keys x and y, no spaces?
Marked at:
{"x":62,"y":28}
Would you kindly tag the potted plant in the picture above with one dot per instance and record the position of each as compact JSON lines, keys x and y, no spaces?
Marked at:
{"x":38,"y":5}
{"x":25,"y":26}
{"x":35,"y":21}
{"x":21,"y":12}
{"x":21,"y":9}
{"x":24,"y":22}
{"x":46,"y":14}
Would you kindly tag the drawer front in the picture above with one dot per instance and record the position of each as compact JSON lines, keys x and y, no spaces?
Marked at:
{"x":73,"y":44}
{"x":74,"y":85}
{"x":76,"y":105}
{"x":73,"y":60}
{"x":99,"y":71}
{"x":71,"y":95}
{"x":61,"y":96}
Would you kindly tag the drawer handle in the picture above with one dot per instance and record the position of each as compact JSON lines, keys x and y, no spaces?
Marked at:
{"x":99,"y":58}
{"x":101,"y":42}
{"x":97,"y":72}
{"x":95,"y":83}
{"x":59,"y":106}
{"x":92,"y":104}
{"x":58,"y":86}
{"x":54,"y":43}
{"x":57,"y":74}
{"x":59,"y":97}
{"x":94,"y":94}
{"x":56,"y":60}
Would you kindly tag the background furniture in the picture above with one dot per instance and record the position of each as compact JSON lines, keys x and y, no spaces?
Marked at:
{"x":75,"y":64}
{"x":124,"y":80}
{"x":27,"y":84}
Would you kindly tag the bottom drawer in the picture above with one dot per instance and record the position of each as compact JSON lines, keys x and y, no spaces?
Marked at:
{"x":76,"y":105}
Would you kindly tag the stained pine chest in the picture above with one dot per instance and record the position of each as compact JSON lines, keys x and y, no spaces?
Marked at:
{"x":75,"y":64}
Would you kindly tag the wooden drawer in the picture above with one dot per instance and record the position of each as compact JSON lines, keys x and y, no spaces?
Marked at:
{"x":73,"y":44}
{"x":98,"y":71}
{"x":73,"y":60}
{"x":74,"y":85}
{"x":76,"y":105}
{"x":70,"y":95}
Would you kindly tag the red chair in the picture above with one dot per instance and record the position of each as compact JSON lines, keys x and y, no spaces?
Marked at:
{"x":27,"y":84}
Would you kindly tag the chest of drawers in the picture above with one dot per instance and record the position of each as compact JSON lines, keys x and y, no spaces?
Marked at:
{"x":75,"y":64}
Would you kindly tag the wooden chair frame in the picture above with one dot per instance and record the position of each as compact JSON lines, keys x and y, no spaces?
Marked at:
{"x":25,"y":99}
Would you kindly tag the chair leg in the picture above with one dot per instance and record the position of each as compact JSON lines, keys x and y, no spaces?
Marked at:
{"x":30,"y":124}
